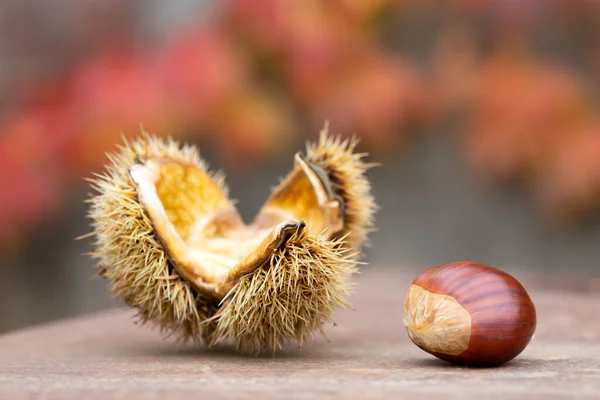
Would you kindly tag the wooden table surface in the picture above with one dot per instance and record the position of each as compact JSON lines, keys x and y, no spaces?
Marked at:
{"x":368,"y":355}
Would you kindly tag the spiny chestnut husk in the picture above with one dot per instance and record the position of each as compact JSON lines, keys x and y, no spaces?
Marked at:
{"x":469,"y":313}
{"x":173,"y":245}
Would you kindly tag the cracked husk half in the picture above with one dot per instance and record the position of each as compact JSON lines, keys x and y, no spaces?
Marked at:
{"x":173,"y":245}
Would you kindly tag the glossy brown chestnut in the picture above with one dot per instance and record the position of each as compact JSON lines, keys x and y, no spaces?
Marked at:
{"x":469,"y":313}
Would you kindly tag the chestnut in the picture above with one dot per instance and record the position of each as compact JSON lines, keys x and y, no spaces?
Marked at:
{"x":469,"y":313}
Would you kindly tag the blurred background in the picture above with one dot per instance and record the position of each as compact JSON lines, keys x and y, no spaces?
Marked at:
{"x":483,"y":113}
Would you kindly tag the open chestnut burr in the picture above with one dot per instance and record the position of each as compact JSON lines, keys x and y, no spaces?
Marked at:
{"x":172,"y":244}
{"x":469,"y":313}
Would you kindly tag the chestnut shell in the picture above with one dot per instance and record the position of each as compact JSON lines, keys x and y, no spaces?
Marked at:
{"x":503,"y":317}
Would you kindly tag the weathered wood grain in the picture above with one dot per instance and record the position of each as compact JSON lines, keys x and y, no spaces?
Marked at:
{"x":368,"y":355}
